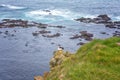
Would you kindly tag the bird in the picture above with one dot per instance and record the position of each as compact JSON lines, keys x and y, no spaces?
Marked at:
{"x":60,"y":47}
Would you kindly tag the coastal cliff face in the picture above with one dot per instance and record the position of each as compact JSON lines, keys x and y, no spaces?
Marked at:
{"x":97,"y":60}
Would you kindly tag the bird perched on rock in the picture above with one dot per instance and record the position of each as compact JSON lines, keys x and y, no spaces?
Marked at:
{"x":60,"y":47}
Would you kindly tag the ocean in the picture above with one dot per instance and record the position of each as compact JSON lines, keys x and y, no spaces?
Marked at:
{"x":21,"y":62}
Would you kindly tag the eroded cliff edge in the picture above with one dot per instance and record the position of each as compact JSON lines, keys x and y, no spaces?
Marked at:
{"x":97,"y":60}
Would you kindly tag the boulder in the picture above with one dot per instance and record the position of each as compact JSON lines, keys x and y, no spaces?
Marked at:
{"x":81,"y":43}
{"x":104,"y":17}
{"x":75,"y":36}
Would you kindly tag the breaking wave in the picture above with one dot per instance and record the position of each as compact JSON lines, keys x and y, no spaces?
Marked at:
{"x":55,"y":15}
{"x":11,"y":6}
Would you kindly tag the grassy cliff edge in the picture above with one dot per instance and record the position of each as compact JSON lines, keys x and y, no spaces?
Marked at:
{"x":97,"y":60}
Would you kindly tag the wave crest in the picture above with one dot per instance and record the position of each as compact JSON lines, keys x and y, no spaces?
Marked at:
{"x":12,"y":6}
{"x":55,"y":15}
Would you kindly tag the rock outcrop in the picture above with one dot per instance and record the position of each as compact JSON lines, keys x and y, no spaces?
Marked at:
{"x":101,"y":19}
{"x":83,"y":35}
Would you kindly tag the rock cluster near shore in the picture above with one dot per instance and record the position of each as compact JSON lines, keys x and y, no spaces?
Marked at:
{"x":84,"y":35}
{"x":10,"y":23}
{"x":101,"y":19}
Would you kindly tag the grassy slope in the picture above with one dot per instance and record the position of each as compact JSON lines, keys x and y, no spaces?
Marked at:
{"x":97,"y":60}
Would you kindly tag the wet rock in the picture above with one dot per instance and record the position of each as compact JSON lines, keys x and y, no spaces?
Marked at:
{"x":103,"y":32}
{"x":81,"y":43}
{"x":58,"y":26}
{"x":36,"y":33}
{"x":47,"y":10}
{"x":43,"y":32}
{"x":6,"y":32}
{"x":51,"y":36}
{"x":104,"y":17}
{"x":101,"y":19}
{"x":52,"y":43}
{"x":0,"y":32}
{"x":20,"y":23}
{"x":85,"y":20}
{"x":40,"y":25}
{"x":75,"y":36}
{"x":116,"y":33}
{"x":117,"y":23}
{"x":12,"y":35}
{"x":85,"y":34}
{"x":110,"y":25}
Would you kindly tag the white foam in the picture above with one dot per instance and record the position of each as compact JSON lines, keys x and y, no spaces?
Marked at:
{"x":12,"y":6}
{"x":55,"y":15}
{"x":118,"y":17}
{"x":66,"y":14}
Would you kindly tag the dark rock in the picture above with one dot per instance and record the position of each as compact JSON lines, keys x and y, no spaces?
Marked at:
{"x":40,"y":25}
{"x":58,"y":26}
{"x":101,"y":19}
{"x":35,"y":33}
{"x":52,"y":36}
{"x":103,"y":32}
{"x":52,"y":43}
{"x":6,"y":32}
{"x":85,"y":20}
{"x":116,"y":33}
{"x":75,"y":36}
{"x":104,"y":17}
{"x":88,"y":38}
{"x":43,"y":32}
{"x":0,"y":32}
{"x":81,"y":43}
{"x":12,"y":35}
{"x":85,"y":34}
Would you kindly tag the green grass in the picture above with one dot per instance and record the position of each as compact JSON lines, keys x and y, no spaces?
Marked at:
{"x":97,"y":60}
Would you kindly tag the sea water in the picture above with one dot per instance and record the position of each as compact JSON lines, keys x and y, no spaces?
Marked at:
{"x":24,"y":55}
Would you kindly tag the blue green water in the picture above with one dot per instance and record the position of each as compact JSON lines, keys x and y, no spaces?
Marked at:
{"x":21,"y":62}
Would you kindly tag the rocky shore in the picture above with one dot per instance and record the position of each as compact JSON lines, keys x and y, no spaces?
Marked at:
{"x":85,"y":35}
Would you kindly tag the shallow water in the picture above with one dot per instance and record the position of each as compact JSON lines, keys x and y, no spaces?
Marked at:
{"x":23,"y":56}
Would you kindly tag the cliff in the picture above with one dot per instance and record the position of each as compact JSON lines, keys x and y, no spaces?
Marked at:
{"x":97,"y":60}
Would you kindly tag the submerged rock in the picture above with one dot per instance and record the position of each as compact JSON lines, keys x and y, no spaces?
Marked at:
{"x":36,"y":33}
{"x":103,"y":32}
{"x":116,"y":33}
{"x":75,"y":36}
{"x":51,"y":35}
{"x":58,"y":26}
{"x":81,"y":43}
{"x":84,"y":35}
